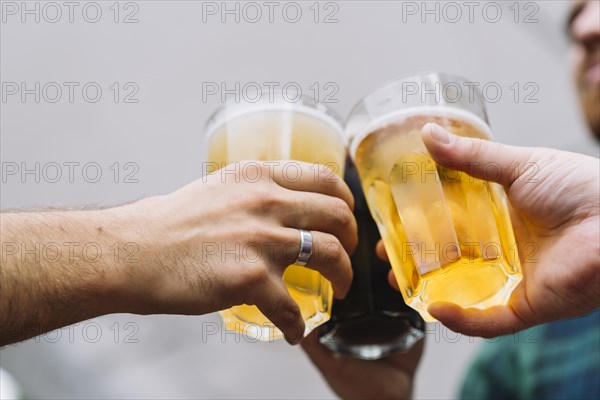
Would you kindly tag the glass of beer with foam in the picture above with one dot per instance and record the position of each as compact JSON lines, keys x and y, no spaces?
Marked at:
{"x":448,"y":235}
{"x":279,"y":128}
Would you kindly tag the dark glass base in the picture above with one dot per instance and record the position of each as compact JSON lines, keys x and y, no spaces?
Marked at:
{"x":372,"y":321}
{"x":371,"y":337}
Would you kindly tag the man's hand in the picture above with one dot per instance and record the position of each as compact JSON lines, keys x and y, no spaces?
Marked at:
{"x":227,"y":241}
{"x":555,"y":201}
{"x":221,"y":241}
{"x":352,"y":378}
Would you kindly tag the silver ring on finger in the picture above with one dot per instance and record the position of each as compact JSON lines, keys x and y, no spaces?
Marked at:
{"x":306,"y":248}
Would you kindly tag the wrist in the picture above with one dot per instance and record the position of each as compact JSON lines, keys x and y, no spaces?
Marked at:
{"x":140,"y":253}
{"x":126,"y":231}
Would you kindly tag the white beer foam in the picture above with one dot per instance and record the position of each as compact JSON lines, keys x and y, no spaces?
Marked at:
{"x":234,"y":111}
{"x":397,"y":117}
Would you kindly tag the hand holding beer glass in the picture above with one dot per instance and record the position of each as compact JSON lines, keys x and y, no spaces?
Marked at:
{"x":281,"y":132}
{"x":448,"y":235}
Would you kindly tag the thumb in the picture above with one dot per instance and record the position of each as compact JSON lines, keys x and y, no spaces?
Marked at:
{"x":482,"y":159}
{"x":488,"y":323}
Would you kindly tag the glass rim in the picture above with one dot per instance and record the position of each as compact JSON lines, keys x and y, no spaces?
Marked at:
{"x":444,"y":112}
{"x":304,"y":104}
{"x":403,"y":78}
{"x":380,"y":105}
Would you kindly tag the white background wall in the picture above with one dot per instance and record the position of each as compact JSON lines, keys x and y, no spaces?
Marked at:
{"x":168,"y":54}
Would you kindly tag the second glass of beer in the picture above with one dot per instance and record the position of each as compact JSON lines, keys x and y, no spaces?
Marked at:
{"x":448,"y":236}
{"x":270,"y":127}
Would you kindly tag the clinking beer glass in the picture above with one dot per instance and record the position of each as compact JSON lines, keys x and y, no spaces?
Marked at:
{"x":269,"y":129}
{"x":448,"y":235}
{"x":372,"y":321}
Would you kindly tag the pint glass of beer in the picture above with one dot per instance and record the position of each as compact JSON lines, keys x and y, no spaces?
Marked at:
{"x":372,"y":321}
{"x":275,"y":128}
{"x":448,"y":235}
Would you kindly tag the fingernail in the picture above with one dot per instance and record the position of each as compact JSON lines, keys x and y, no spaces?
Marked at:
{"x":437,"y":132}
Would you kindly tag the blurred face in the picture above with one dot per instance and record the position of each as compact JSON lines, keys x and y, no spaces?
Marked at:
{"x":584,"y":31}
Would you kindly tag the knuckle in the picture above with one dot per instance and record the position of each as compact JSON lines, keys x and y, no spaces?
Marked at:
{"x":477,"y":147}
{"x":255,"y":275}
{"x":262,"y":199}
{"x":266,"y":172}
{"x":241,"y":169}
{"x":331,"y":251}
{"x":307,"y":167}
{"x":341,"y":213}
{"x":263,"y":233}
{"x":326,"y":175}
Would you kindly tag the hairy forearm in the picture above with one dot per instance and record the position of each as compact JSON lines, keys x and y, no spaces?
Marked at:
{"x":58,"y":268}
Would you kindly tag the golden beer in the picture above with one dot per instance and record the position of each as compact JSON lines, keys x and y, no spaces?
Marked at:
{"x":280,"y":131}
{"x":448,"y":235}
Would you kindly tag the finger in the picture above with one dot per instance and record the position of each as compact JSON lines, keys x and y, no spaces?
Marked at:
{"x":318,"y":212}
{"x":392,"y":280}
{"x":275,"y":302}
{"x":307,"y":177}
{"x":488,"y":323}
{"x":328,"y":257}
{"x":380,"y":251}
{"x":479,"y":158}
{"x":382,"y":254}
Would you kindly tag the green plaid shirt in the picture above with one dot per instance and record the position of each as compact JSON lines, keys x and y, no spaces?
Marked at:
{"x":553,"y":361}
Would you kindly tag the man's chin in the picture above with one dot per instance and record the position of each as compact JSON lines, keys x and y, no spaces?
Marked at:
{"x":596,"y":130}
{"x":593,"y":119}
{"x":591,"y":105}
